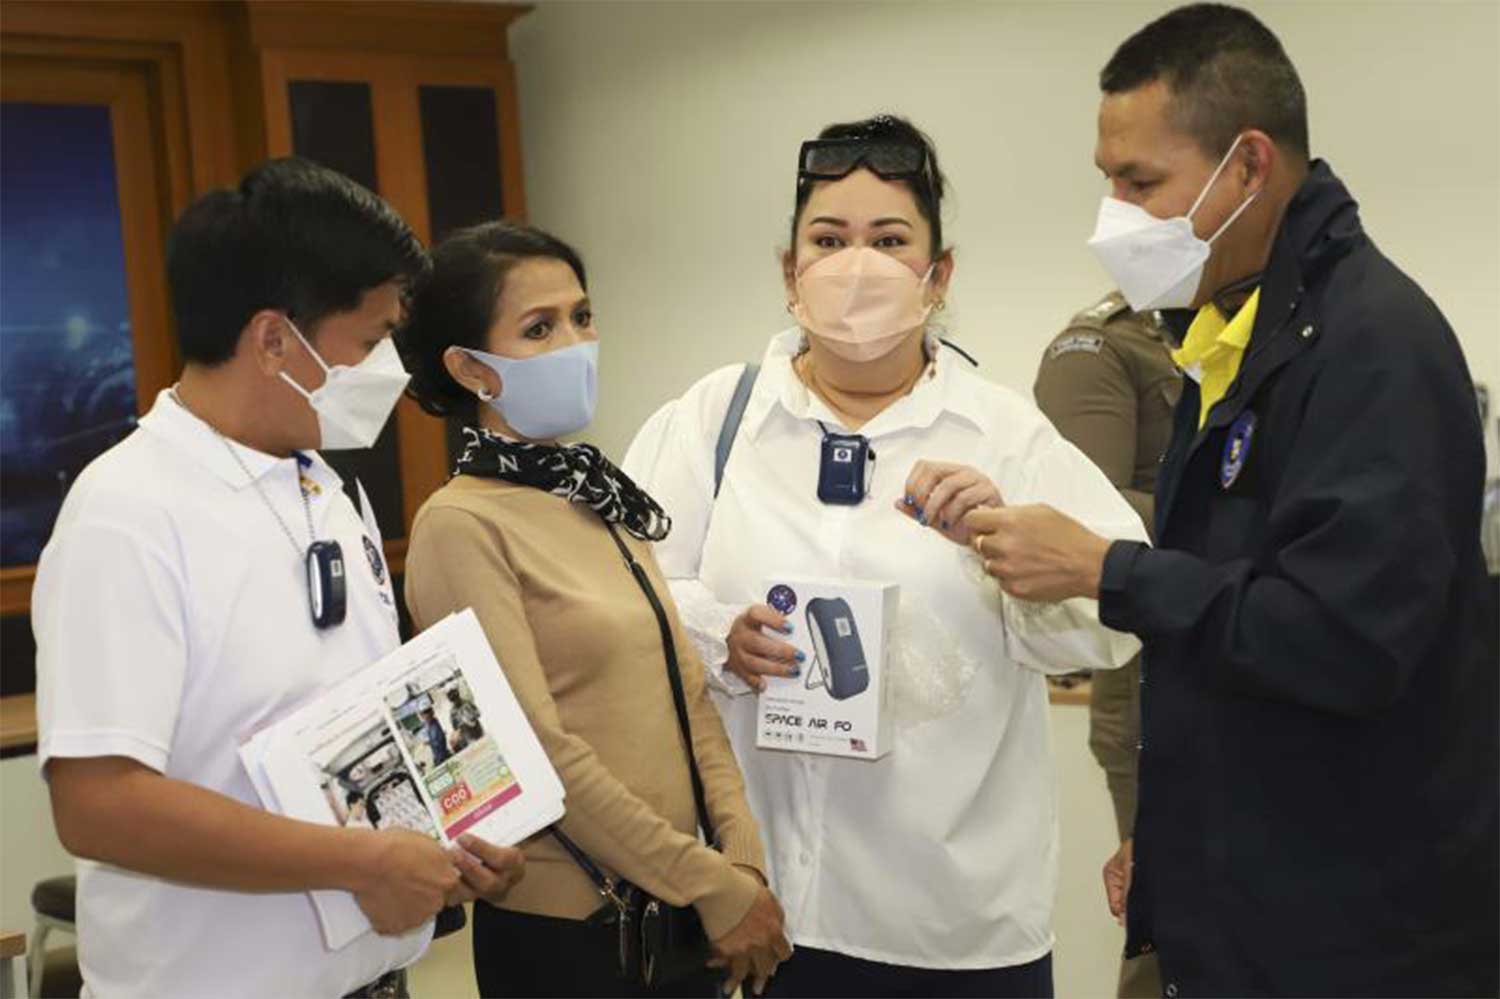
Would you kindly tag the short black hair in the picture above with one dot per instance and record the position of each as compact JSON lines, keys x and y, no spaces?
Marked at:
{"x":455,"y":303}
{"x":294,"y":236}
{"x":1226,"y":72}
{"x":890,"y":128}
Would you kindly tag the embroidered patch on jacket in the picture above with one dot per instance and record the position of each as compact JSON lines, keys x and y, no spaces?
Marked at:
{"x":1236,"y":449}
{"x":377,"y":564}
{"x":1073,"y":343}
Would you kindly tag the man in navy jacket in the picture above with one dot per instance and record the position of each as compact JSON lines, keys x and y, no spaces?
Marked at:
{"x":1318,"y":768}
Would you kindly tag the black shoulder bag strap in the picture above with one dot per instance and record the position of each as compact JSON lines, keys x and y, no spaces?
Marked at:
{"x":674,"y":679}
{"x":679,"y":700}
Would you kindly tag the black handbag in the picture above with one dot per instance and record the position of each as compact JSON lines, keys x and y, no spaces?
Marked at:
{"x":651,"y":943}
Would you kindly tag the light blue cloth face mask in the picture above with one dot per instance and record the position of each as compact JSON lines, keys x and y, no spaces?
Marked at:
{"x":549,"y":395}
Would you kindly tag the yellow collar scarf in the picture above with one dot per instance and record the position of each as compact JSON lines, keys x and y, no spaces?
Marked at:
{"x":1213,"y":349}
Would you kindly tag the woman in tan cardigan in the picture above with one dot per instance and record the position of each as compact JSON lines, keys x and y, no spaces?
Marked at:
{"x":534,"y":536}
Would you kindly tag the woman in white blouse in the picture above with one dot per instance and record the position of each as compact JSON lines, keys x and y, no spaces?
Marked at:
{"x":932,"y":870}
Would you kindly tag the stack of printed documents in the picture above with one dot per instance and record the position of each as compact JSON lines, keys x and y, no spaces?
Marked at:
{"x":430,"y":739}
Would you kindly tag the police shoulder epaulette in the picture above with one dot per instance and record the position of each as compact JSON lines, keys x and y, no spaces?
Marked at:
{"x":1101,"y":313}
{"x":1080,"y":335}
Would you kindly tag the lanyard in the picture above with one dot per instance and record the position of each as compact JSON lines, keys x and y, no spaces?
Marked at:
{"x":324,"y":560}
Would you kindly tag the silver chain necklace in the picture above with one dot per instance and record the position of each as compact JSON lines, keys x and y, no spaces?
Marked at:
{"x":259,"y":491}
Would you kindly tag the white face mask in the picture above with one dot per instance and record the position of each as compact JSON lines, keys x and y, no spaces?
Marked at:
{"x":354,"y":403}
{"x":548,"y":395}
{"x":1157,"y":263}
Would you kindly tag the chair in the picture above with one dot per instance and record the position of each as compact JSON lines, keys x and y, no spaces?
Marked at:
{"x":52,"y":901}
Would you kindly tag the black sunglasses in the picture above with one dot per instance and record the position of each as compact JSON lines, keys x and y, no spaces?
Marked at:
{"x":834,"y":159}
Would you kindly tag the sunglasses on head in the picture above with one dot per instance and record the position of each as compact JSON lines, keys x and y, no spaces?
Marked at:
{"x":834,"y":159}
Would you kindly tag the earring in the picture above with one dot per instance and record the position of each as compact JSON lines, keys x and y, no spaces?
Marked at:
{"x":789,"y":307}
{"x":940,"y":305}
{"x":485,"y":395}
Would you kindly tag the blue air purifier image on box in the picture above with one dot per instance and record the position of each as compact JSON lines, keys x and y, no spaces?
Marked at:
{"x":839,"y":661}
{"x":834,"y":700}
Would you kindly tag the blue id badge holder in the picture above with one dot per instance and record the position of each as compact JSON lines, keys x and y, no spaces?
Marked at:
{"x":846,"y":467}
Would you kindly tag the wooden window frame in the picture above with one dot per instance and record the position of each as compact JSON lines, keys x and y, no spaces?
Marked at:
{"x":125,"y":89}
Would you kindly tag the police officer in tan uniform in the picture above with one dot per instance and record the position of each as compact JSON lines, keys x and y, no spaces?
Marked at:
{"x":1109,"y":385}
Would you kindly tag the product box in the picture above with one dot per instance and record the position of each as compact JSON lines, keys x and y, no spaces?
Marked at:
{"x":837,"y":706}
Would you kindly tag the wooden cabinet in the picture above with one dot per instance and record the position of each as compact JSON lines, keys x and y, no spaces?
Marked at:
{"x":436,"y":135}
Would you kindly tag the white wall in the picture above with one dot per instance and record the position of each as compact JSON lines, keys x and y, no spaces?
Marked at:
{"x":29,"y":850}
{"x":1086,"y":960}
{"x":661,"y":139}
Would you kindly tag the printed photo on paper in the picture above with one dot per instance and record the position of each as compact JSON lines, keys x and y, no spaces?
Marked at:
{"x":365,"y":778}
{"x":451,"y":749}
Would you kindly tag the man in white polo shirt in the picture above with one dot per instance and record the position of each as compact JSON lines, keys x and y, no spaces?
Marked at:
{"x":173,"y":616}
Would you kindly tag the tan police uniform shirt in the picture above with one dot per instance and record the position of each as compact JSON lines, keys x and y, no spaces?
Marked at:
{"x":1107,"y":382}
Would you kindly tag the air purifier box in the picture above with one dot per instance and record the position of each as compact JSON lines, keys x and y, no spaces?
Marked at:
{"x":837,"y":705}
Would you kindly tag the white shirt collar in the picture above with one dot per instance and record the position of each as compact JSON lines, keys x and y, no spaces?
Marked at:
{"x":941,"y":389}
{"x":173,"y":423}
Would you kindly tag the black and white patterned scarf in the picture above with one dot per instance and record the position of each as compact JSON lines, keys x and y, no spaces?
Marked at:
{"x":579,"y":473}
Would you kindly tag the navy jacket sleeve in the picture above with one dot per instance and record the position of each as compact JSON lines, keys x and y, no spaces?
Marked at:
{"x":1353,"y":575}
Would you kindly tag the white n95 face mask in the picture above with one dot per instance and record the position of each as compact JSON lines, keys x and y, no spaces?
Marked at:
{"x":548,"y":395}
{"x":1157,"y":263}
{"x":354,"y":403}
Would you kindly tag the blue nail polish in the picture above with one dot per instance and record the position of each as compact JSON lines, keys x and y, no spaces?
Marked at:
{"x":910,"y":500}
{"x":796,"y":672}
{"x":801,"y":656}
{"x":786,"y":629}
{"x":944,"y":525}
{"x":922,"y":518}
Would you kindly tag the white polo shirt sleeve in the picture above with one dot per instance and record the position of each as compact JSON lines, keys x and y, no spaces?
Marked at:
{"x":109,"y":611}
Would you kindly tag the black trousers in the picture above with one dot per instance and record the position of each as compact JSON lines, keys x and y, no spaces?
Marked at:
{"x":826,"y":975}
{"x":518,"y":955}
